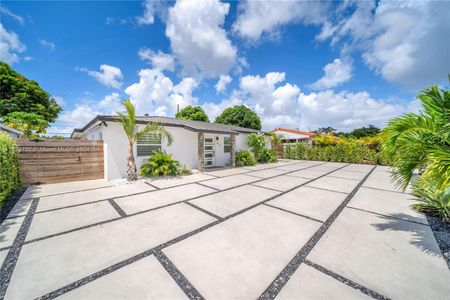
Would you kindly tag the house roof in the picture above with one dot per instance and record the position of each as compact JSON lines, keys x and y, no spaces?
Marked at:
{"x":295,"y":133}
{"x":198,"y":126}
{"x":9,"y":129}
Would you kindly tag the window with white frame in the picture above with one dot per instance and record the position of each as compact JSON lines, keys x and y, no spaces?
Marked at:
{"x":148,"y":143}
{"x":226,"y":144}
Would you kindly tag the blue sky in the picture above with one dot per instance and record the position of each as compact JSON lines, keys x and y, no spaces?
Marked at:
{"x":298,"y":64}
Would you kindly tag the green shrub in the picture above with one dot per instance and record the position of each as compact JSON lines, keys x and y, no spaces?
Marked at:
{"x":257,"y":144}
{"x":9,"y":167}
{"x":245,"y":158}
{"x":432,"y":202}
{"x":268,"y":156}
{"x":184,"y":170}
{"x":160,"y":164}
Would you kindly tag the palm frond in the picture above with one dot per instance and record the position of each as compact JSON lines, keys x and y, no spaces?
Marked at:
{"x":155,"y":128}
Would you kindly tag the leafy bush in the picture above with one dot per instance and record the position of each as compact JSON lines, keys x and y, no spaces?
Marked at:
{"x":349,"y":152}
{"x":268,"y":156}
{"x":9,"y":167}
{"x":432,"y":202}
{"x":257,"y":144}
{"x":160,"y":164}
{"x":184,"y":170}
{"x":245,"y":158}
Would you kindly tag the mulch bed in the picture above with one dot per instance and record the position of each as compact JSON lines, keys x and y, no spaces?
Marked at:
{"x":9,"y":203}
{"x":441,"y":232}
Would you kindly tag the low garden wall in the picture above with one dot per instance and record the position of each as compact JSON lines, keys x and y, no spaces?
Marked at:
{"x":346,"y":152}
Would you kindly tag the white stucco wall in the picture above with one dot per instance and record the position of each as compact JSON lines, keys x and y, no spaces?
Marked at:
{"x":184,"y":148}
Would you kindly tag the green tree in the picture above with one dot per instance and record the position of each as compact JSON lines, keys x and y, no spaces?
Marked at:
{"x":28,"y":123}
{"x":193,"y":113}
{"x":422,"y":141}
{"x":128,"y":120}
{"x":240,"y":115}
{"x":325,"y":130}
{"x":365,"y":131}
{"x":19,"y":94}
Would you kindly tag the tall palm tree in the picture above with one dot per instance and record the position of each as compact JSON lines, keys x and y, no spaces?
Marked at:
{"x":128,"y":120}
{"x":422,"y":141}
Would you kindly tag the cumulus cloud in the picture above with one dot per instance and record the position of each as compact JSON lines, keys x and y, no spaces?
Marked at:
{"x":46,"y":44}
{"x":223,"y":82}
{"x":156,"y":94}
{"x":336,"y":73}
{"x":197,"y":38}
{"x":257,"y":18}
{"x":159,"y":60}
{"x":10,"y":46}
{"x":109,"y":75}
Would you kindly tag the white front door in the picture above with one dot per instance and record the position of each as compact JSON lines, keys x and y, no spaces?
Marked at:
{"x":209,"y":152}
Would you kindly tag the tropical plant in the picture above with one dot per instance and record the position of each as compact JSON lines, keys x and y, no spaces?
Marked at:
{"x":240,"y":115}
{"x":422,"y":141}
{"x":28,"y":123}
{"x":257,"y":144}
{"x":184,"y":170}
{"x":9,"y":167}
{"x":129,"y":124}
{"x":244,"y":158}
{"x":268,"y":156}
{"x":327,"y":139}
{"x":160,"y":164}
{"x":432,"y":202}
{"x":276,"y":138}
{"x":194,"y":113}
{"x":19,"y":94}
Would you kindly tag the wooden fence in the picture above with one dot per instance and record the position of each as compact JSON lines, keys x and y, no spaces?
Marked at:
{"x":52,"y":161}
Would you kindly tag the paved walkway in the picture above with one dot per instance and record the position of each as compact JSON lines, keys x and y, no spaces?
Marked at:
{"x":294,"y":229}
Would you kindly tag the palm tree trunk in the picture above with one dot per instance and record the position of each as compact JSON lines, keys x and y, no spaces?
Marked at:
{"x":131,"y":172}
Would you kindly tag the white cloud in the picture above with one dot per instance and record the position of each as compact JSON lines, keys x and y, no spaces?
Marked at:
{"x":10,"y":46}
{"x":197,"y":38}
{"x":159,"y":60}
{"x":5,"y":11}
{"x":156,"y":94}
{"x":336,"y":73}
{"x":223,"y":82}
{"x":148,"y":17}
{"x":110,"y":76}
{"x":46,"y":44}
{"x":257,"y":18}
{"x":59,"y":100}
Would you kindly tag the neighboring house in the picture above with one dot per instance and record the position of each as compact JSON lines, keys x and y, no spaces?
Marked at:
{"x":197,"y":144}
{"x":14,"y":133}
{"x":294,"y":136}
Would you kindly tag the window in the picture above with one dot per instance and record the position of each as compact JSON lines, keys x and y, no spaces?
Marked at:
{"x":148,"y":143}
{"x":226,"y":144}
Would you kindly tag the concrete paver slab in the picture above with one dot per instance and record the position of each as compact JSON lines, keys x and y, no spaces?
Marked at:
{"x":240,"y":257}
{"x":267,"y":173}
{"x":166,"y":182}
{"x":311,"y":202}
{"x":349,"y":174}
{"x":326,"y":167}
{"x":396,"y":258}
{"x":281,"y":183}
{"x":381,"y":180}
{"x":335,"y":184}
{"x":137,"y":203}
{"x":384,"y":168}
{"x":308,"y":283}
{"x":258,"y":167}
{"x":311,"y":174}
{"x":358,"y":168}
{"x":21,"y":207}
{"x":53,"y":263}
{"x":293,"y":167}
{"x":230,"y":181}
{"x":65,"y":187}
{"x":144,"y":279}
{"x":228,"y":202}
{"x":387,"y":203}
{"x":227,"y":172}
{"x":75,"y":198}
{"x":8,"y":231}
{"x":65,"y":219}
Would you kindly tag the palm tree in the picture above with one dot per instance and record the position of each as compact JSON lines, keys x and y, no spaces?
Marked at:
{"x":276,"y":138}
{"x":128,"y":120}
{"x":422,"y":141}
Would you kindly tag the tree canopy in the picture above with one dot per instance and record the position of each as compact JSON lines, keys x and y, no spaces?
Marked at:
{"x":193,"y":113}
{"x":365,"y":131}
{"x":240,"y":115}
{"x":19,"y":94}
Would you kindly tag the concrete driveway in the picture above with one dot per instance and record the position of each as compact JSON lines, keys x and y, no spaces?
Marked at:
{"x":294,"y":229}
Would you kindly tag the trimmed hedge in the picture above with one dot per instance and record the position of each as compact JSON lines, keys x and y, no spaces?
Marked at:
{"x":245,"y":158}
{"x":9,"y":167}
{"x":347,"y":152}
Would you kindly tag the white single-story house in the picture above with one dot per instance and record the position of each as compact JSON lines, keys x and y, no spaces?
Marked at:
{"x":197,"y":144}
{"x":14,"y":133}
{"x":294,"y":136}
